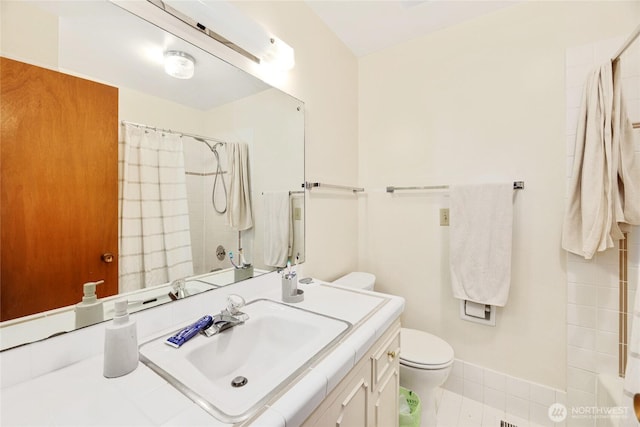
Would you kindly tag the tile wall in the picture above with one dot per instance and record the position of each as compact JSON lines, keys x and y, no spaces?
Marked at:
{"x":593,"y":285}
{"x":523,"y":399}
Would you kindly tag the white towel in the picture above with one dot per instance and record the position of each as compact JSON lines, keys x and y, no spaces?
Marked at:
{"x":239,"y":212}
{"x":604,"y":192}
{"x":480,"y":242}
{"x":277,"y":229}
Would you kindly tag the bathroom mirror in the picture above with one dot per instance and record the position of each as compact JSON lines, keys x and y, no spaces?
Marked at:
{"x":99,"y":42}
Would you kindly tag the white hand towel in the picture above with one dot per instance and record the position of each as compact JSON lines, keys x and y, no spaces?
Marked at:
{"x":277,"y":229}
{"x":239,"y":212}
{"x":480,"y":242}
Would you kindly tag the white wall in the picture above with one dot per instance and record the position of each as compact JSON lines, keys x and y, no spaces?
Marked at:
{"x":325,"y":78}
{"x":478,"y":102}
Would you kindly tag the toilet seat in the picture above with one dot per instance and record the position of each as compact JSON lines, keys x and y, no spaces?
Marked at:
{"x":422,"y":350}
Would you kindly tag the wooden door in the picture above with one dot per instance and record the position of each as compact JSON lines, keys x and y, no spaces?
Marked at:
{"x":59,"y":173}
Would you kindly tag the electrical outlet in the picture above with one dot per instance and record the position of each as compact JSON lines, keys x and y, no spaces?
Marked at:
{"x":297,"y":214}
{"x":444,"y":216}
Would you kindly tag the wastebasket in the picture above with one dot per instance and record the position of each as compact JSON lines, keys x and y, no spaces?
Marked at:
{"x":411,"y":412}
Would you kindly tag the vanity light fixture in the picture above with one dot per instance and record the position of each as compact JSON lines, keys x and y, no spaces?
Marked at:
{"x":225,"y":23}
{"x":279,"y":55}
{"x":179,"y":64}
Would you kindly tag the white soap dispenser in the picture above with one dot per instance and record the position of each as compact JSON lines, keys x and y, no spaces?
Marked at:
{"x":120,"y":343}
{"x":90,"y":310}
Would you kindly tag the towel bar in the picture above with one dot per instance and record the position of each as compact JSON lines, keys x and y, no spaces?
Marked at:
{"x":517,"y":185}
{"x":309,"y":185}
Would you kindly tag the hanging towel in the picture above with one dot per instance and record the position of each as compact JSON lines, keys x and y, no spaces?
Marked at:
{"x":278,"y":233}
{"x":627,"y":182}
{"x":605,"y":182}
{"x":239,"y":213}
{"x":480,"y":242}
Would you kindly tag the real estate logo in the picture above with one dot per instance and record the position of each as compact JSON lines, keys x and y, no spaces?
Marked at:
{"x":557,"y":412}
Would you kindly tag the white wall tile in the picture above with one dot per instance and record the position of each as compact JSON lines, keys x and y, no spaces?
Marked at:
{"x":455,"y":384}
{"x":581,"y":315}
{"x":607,"y":342}
{"x":580,"y":358}
{"x":518,"y":407}
{"x":542,"y":395}
{"x":539,"y":415}
{"x":457,"y":369}
{"x":608,"y":320}
{"x":518,"y":388}
{"x":580,"y":379}
{"x":473,"y":390}
{"x":495,"y":380}
{"x":607,"y":364}
{"x":581,"y":294}
{"x":581,"y":337}
{"x":473,"y":373}
{"x":608,"y":298}
{"x":495,"y":399}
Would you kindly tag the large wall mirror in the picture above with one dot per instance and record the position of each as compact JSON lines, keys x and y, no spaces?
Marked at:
{"x":113,"y":170}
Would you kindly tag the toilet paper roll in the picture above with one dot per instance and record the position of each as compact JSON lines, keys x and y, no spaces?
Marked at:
{"x":474,"y":309}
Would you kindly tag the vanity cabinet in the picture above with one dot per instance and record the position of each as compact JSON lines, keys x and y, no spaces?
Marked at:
{"x":368,"y":395}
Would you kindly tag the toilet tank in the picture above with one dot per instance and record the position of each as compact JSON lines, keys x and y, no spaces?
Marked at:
{"x":357,"y":280}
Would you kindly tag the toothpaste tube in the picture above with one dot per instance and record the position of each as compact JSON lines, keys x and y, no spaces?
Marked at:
{"x":189,"y":332}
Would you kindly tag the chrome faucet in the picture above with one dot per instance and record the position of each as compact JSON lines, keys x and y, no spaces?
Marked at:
{"x":178,"y":289}
{"x":229,"y":317}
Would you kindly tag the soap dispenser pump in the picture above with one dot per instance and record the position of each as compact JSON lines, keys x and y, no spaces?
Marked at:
{"x":120,"y":343}
{"x":90,"y":310}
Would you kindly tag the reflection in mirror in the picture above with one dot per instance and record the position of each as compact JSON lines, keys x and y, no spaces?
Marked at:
{"x":161,"y":187}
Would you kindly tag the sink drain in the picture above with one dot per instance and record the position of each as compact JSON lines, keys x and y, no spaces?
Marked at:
{"x":239,"y":381}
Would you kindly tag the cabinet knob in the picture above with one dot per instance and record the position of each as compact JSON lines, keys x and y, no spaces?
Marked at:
{"x":391,"y":354}
{"x":107,"y":257}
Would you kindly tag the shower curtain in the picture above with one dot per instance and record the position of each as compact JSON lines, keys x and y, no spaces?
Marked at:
{"x":155,"y":241}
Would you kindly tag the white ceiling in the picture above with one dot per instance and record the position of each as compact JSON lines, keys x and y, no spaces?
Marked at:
{"x":366,"y":26}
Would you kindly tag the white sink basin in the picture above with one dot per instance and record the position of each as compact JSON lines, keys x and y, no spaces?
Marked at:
{"x":271,"y":348}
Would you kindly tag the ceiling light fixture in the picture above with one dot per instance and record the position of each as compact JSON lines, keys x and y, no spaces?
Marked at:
{"x":179,"y":64}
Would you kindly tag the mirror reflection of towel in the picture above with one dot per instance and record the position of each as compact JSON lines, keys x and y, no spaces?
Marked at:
{"x":277,"y":228}
{"x":239,"y":212}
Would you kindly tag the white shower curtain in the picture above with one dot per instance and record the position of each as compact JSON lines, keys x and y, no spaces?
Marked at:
{"x":155,"y":241}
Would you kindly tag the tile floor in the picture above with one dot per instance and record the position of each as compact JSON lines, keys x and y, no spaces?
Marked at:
{"x":454,"y":410}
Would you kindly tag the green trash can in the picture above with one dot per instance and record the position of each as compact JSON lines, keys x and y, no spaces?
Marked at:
{"x":412,"y":419}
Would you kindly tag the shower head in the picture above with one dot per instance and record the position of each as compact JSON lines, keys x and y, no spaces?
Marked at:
{"x":212,"y":148}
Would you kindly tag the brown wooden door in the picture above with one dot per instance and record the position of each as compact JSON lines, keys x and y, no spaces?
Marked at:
{"x":59,"y":173}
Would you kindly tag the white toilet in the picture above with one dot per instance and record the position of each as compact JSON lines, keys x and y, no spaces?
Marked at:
{"x":425,"y":359}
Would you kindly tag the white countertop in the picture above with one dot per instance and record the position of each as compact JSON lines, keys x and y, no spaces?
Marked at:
{"x":78,"y":394}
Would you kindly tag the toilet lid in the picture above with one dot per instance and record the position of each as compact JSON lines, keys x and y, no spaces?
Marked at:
{"x":419,"y":348}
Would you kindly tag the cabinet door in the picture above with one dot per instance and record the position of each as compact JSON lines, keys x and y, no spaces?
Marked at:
{"x":385,"y":412}
{"x":59,"y":188}
{"x":354,"y":409}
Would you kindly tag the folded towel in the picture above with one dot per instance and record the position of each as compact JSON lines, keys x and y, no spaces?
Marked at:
{"x":239,"y":212}
{"x":277,"y":229}
{"x":480,"y":242}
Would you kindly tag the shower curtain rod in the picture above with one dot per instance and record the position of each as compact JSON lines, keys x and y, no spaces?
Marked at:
{"x":634,"y":35}
{"x":192,"y":135}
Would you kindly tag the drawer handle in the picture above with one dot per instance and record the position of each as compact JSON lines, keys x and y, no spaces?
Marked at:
{"x":391,"y":354}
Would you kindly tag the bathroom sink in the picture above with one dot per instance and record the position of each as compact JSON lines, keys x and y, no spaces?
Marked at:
{"x":269,"y":350}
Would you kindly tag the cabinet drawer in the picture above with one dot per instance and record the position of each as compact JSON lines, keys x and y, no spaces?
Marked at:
{"x":388,"y":356}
